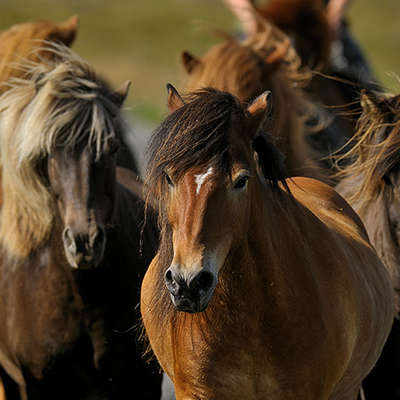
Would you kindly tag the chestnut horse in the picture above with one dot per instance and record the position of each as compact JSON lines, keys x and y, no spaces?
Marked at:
{"x":371,"y":183}
{"x":262,"y":287}
{"x":266,"y":60}
{"x":17,"y":44}
{"x":73,"y":249}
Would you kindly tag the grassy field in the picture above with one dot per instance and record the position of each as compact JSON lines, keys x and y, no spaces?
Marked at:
{"x":142,"y":40}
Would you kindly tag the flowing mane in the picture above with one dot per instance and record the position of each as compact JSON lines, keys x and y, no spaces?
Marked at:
{"x":266,"y":60}
{"x":374,"y":153}
{"x":62,"y":104}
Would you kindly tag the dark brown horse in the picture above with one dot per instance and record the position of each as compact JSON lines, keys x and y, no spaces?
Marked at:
{"x":371,"y":183}
{"x":262,"y":287}
{"x":323,"y":39}
{"x":73,"y":249}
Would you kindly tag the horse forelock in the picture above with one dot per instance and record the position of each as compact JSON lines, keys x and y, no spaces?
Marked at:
{"x":61,"y":105}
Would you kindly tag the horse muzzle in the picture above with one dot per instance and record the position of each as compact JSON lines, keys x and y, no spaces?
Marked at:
{"x":190,"y":295}
{"x":84,"y":251}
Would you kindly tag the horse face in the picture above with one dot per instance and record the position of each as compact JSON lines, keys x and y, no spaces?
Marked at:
{"x":84,"y":193}
{"x":208,"y":211}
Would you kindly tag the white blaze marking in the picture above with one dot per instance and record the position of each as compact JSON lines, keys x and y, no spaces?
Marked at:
{"x":200,"y":178}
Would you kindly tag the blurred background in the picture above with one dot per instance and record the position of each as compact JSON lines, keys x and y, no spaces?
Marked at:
{"x":142,"y":40}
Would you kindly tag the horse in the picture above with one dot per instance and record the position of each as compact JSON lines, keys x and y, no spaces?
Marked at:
{"x":266,"y":60}
{"x":262,"y":287}
{"x":371,"y":185}
{"x":73,"y":247}
{"x":323,"y":39}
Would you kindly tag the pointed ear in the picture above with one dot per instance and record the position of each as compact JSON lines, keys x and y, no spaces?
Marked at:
{"x":246,"y":13}
{"x":174,"y":100}
{"x":66,"y":32}
{"x":120,"y":95}
{"x":334,"y":13}
{"x":258,"y":111}
{"x":190,"y":62}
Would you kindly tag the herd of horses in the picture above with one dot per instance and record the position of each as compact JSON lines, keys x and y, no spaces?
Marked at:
{"x":259,"y":256}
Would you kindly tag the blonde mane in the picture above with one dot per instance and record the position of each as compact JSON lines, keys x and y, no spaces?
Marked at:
{"x":62,"y":104}
{"x":374,"y":152}
{"x":266,"y":60}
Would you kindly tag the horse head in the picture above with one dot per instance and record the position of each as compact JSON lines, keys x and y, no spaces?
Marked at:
{"x":208,"y":196}
{"x":60,"y":167}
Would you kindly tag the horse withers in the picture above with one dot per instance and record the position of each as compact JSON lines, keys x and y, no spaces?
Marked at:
{"x":73,"y":248}
{"x":262,"y":287}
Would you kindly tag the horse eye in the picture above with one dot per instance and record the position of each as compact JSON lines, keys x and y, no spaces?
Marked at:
{"x":241,"y":182}
{"x":168,"y":179}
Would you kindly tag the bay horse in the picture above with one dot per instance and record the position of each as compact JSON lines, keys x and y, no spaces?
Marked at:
{"x":266,"y":60}
{"x":371,"y":185}
{"x":73,"y":248}
{"x":262,"y":287}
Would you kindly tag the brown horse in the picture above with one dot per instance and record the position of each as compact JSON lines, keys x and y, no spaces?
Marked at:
{"x":266,"y":60}
{"x":371,"y":184}
{"x":262,"y":287}
{"x":73,"y":249}
{"x":17,"y":44}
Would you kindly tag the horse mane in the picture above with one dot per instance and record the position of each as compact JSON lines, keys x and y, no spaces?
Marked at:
{"x":266,"y":60}
{"x":17,"y":43}
{"x":374,"y":152}
{"x":60,"y":102}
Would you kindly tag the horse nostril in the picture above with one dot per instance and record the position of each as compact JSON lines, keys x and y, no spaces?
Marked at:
{"x":69,"y":240}
{"x":168,"y":276}
{"x":99,"y":238}
{"x":202,"y":281}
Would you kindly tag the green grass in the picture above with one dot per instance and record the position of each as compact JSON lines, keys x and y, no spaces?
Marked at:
{"x":142,"y":40}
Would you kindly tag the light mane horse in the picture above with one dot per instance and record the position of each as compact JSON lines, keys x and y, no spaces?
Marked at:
{"x":371,"y":184}
{"x":262,"y":287}
{"x":73,"y":249}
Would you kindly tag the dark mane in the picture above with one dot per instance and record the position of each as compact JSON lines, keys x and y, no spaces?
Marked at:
{"x":198,"y":133}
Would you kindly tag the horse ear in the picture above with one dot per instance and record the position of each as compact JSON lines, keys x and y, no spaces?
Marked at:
{"x":190,"y":62}
{"x":246,"y":13}
{"x":258,"y":111}
{"x":334,"y":13}
{"x":120,"y":95}
{"x":174,"y":100}
{"x":66,"y":32}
